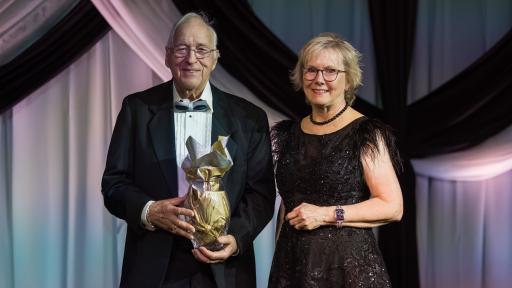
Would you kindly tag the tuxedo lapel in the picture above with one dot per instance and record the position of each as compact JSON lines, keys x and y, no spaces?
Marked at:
{"x":222,"y":124}
{"x":161,"y":130}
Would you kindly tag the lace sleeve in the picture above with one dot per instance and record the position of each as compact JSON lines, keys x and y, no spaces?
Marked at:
{"x":370,"y":134}
{"x":279,"y":135}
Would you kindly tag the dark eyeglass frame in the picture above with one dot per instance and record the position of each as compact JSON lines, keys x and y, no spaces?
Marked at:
{"x":330,"y":72}
{"x":184,"y":51}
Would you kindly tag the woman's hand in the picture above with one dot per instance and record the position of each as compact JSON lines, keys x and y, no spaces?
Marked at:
{"x":308,"y":217}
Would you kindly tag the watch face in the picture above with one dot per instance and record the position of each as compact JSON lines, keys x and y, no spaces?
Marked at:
{"x":339,"y":214}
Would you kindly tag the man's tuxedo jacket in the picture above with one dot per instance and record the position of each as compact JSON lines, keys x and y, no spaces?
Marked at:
{"x":141,"y":166}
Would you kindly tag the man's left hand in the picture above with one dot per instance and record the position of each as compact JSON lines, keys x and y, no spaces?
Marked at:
{"x":206,"y":256}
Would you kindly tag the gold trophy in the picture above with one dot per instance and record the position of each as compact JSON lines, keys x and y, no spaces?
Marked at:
{"x":204,"y":170}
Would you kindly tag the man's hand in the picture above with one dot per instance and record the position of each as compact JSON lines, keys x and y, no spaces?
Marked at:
{"x":165,"y":215}
{"x":206,"y":256}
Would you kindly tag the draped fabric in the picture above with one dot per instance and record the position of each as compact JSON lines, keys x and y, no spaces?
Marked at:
{"x":393,"y":25}
{"x":450,"y":35}
{"x":468,"y":109}
{"x":54,"y":230}
{"x":463,"y":198}
{"x":22,"y":22}
{"x":6,"y":223}
{"x":49,"y":55}
{"x":485,"y":161}
{"x":464,"y":232}
{"x":455,"y":105}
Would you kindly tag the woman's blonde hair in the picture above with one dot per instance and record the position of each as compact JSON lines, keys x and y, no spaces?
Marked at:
{"x":348,"y":53}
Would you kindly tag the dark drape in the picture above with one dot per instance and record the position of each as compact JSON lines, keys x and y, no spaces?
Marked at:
{"x":466,"y":110}
{"x":393,"y":26}
{"x":81,"y":28}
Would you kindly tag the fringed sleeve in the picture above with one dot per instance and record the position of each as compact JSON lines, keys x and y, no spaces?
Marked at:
{"x":370,"y":134}
{"x":279,"y":135}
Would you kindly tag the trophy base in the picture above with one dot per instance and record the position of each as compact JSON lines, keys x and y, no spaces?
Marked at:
{"x":214,"y":246}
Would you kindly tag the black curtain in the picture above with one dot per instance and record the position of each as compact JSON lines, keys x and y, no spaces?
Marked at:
{"x":72,"y":36}
{"x":393,"y":26}
{"x":466,"y":110}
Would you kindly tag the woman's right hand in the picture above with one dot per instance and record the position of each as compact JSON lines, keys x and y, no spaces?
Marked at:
{"x":308,"y":216}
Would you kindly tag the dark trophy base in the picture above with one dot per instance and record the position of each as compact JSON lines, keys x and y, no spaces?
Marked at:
{"x":214,"y":246}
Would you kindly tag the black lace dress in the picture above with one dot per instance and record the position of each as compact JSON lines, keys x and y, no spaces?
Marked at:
{"x":326,"y":170}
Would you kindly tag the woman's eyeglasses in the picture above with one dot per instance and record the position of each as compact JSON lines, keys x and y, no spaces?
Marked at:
{"x":329,"y":74}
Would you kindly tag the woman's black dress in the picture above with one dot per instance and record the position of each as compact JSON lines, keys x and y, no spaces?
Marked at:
{"x":326,"y":170}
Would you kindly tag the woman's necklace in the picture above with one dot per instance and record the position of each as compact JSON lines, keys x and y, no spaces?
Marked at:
{"x":330,"y":119}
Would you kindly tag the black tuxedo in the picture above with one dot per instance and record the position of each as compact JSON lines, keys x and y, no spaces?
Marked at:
{"x":141,"y":166}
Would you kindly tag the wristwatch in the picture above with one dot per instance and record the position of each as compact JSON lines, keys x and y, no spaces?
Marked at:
{"x":340,"y":216}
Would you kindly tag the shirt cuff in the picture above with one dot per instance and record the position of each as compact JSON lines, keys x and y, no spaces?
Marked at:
{"x":144,"y":217}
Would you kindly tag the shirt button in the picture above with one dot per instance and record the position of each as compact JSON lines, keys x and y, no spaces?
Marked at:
{"x":189,"y":116}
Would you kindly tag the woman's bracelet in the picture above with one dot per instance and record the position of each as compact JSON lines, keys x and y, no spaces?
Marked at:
{"x":339,"y":214}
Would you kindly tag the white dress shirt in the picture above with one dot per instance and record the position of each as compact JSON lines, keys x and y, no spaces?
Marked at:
{"x":195,"y":124}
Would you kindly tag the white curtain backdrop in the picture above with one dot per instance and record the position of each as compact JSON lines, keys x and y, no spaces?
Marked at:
{"x":463,"y":199}
{"x":487,"y":160}
{"x":6,"y":225}
{"x":22,"y":22}
{"x":464,"y":232}
{"x":54,"y":230}
{"x":450,"y":35}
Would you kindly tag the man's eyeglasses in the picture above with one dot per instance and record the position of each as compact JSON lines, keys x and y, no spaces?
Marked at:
{"x":183,"y":51}
{"x":329,"y":74}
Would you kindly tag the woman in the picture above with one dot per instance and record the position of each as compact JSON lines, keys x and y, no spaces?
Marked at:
{"x":335,"y":171}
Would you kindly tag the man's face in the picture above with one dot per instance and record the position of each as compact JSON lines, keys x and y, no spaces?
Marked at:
{"x":190,"y":73}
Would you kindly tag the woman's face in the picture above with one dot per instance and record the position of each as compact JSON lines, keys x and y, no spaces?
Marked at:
{"x":320,"y":92}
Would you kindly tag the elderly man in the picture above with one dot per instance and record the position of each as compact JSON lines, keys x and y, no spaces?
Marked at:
{"x":144,"y":185}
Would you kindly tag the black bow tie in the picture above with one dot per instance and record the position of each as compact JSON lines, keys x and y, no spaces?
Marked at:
{"x":196,"y":106}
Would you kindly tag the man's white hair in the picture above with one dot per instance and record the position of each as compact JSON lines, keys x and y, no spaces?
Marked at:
{"x":201,"y":16}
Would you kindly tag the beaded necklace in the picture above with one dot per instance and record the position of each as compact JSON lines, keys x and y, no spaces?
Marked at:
{"x":330,"y":119}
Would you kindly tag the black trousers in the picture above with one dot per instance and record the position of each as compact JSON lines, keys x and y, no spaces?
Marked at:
{"x":184,"y":271}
